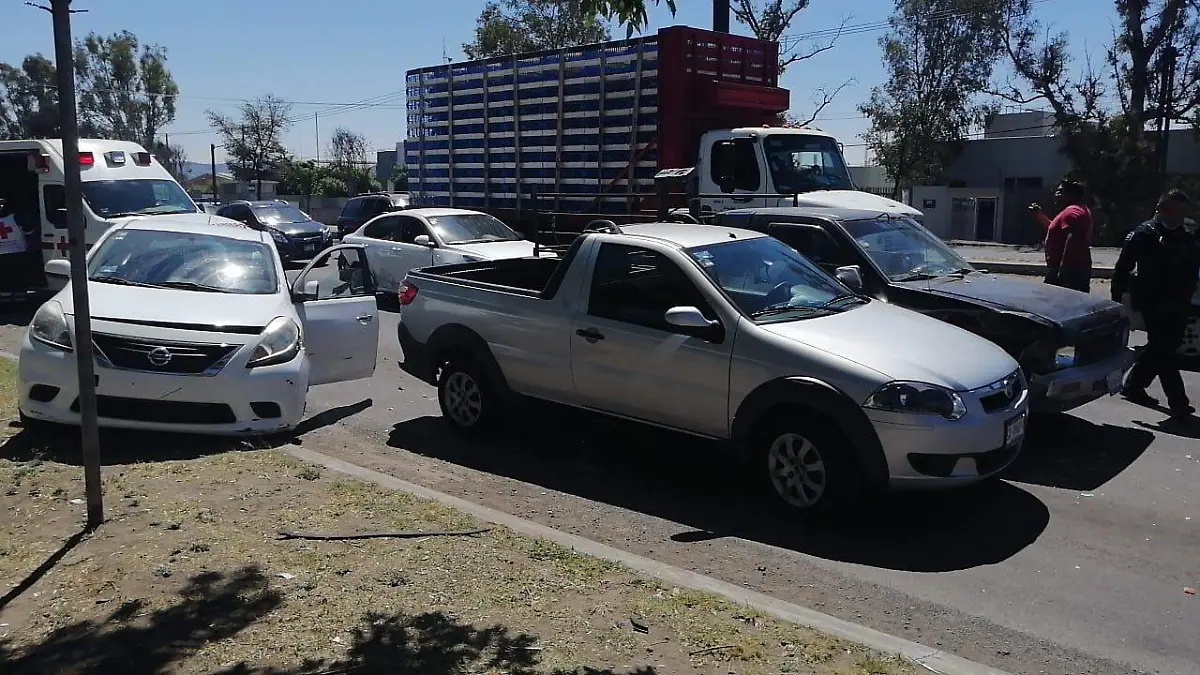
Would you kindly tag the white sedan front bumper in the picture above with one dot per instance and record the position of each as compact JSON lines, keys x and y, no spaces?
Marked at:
{"x":234,"y":400}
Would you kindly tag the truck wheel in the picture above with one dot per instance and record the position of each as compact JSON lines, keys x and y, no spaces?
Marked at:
{"x":807,"y":468}
{"x":466,"y":397}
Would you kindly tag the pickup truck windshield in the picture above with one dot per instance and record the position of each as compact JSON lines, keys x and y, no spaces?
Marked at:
{"x":764,"y":277}
{"x":471,"y":228}
{"x":281,"y":214}
{"x":801,"y":163}
{"x":115,"y":198}
{"x":183,"y":260}
{"x":905,"y":250}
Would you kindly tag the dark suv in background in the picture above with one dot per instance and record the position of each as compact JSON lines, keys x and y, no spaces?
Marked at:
{"x":296,"y":235}
{"x":362,"y":208}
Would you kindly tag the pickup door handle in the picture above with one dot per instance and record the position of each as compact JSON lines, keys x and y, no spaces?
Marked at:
{"x":365,"y":318}
{"x":590,"y":334}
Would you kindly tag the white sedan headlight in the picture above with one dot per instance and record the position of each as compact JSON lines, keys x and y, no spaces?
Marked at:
{"x":49,"y":326}
{"x":280,"y":343}
{"x":918,"y":398}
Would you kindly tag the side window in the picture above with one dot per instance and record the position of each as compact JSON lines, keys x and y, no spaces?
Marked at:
{"x":341,"y":273}
{"x":352,"y":208}
{"x":745,"y":169}
{"x":385,"y":229}
{"x":410,"y":229}
{"x":54,"y":198}
{"x":374,"y":207}
{"x":635,"y":285}
{"x":813,"y":242}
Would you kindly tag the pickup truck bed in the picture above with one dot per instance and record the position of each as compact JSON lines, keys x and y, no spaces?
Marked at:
{"x":533,"y":277}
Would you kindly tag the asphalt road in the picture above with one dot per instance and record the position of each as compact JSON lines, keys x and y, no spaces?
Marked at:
{"x":1075,"y":564}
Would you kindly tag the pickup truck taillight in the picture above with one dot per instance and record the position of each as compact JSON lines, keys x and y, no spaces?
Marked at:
{"x":408,"y":293}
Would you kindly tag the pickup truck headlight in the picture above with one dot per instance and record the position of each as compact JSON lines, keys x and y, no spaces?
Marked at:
{"x":918,"y":398}
{"x":49,"y":326}
{"x":280,"y":343}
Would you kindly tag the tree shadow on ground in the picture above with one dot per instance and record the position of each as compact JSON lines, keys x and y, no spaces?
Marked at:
{"x":215,"y":607}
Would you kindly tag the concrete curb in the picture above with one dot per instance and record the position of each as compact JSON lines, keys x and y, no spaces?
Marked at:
{"x":935,"y":660}
{"x":1030,"y":269}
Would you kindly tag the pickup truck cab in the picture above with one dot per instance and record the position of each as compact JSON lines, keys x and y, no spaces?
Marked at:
{"x":725,"y":334}
{"x":1072,"y":346}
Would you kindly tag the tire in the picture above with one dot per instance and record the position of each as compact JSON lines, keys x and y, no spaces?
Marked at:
{"x":807,"y":469}
{"x":467,"y":397}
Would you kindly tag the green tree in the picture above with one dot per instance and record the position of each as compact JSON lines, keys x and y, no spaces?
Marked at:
{"x":514,"y":26}
{"x":29,"y":99}
{"x":301,"y":177}
{"x":125,"y":91}
{"x":628,"y":13}
{"x":399,"y":178}
{"x":253,"y":139}
{"x":938,"y":56}
{"x":1104,"y":117}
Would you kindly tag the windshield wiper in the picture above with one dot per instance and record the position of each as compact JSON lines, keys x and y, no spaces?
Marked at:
{"x":784,"y":309}
{"x":192,"y":286}
{"x":840,"y":299}
{"x":118,"y":281}
{"x":149,"y":211}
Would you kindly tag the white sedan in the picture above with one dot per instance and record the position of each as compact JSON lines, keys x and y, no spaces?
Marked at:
{"x":424,"y":237}
{"x":196,"y":329}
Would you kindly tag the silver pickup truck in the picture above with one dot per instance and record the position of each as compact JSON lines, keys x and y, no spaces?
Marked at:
{"x":726,"y":334}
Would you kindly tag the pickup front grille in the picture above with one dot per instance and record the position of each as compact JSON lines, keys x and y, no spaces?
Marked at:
{"x":157,"y":356}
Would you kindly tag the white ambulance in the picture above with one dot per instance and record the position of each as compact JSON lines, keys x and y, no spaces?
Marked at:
{"x":120,"y":179}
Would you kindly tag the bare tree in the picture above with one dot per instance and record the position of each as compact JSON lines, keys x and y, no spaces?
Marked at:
{"x":254,"y":140}
{"x":347,"y":148}
{"x":770,"y":22}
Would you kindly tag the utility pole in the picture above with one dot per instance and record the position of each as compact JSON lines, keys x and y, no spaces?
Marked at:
{"x":64,"y":56}
{"x":212,"y":158}
{"x":720,"y":16}
{"x":317,"y":135}
{"x":1167,"y":61}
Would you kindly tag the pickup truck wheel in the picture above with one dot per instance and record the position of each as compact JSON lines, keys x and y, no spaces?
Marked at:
{"x":467,"y":400}
{"x":808,"y":470}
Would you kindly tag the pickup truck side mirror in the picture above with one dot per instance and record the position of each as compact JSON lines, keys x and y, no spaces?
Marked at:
{"x":424,"y":240}
{"x":851,"y":276}
{"x":688,"y":317}
{"x":58,"y":267}
{"x":311,"y":290}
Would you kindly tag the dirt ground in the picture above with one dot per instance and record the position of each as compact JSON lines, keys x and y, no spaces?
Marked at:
{"x":188,"y":575}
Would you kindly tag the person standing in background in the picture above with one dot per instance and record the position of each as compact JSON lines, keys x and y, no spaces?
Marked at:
{"x":1068,"y":245}
{"x":1166,"y":255}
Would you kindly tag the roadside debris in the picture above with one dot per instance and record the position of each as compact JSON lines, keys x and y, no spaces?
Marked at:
{"x":710,"y":650}
{"x":639,"y":626}
{"x":381,"y":535}
{"x":1189,"y":591}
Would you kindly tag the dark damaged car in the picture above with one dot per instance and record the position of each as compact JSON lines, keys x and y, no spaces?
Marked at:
{"x":1072,"y":346}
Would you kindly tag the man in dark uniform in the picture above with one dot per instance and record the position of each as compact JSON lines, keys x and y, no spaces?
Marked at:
{"x":1167,"y":257}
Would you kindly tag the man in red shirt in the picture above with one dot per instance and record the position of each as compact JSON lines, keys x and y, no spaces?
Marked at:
{"x":1068,"y":244}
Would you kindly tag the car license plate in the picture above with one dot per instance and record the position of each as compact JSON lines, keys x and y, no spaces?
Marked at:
{"x":1113,"y":381}
{"x":1014,"y":430}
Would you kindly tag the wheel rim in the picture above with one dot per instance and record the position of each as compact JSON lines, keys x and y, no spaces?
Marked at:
{"x":796,"y":470}
{"x":463,"y":399}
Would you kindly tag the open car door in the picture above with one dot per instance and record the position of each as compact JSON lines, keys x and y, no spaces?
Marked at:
{"x":335,"y":297}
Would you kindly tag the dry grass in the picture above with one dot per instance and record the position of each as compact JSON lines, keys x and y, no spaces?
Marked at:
{"x":187,"y":576}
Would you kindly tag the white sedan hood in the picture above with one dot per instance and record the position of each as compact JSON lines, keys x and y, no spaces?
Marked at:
{"x":496,"y":250}
{"x":852,"y":199}
{"x":134,"y":303}
{"x":903,"y":345}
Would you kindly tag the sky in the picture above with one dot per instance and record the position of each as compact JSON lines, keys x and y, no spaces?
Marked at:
{"x":325,"y":56}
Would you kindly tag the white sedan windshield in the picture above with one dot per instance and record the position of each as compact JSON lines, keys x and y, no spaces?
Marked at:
{"x":471,"y":228}
{"x":183,"y":260}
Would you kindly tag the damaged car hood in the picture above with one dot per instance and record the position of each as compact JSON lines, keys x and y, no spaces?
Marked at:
{"x":1052,"y":304}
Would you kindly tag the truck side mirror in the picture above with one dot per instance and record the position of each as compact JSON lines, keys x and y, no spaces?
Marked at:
{"x":723,"y":158}
{"x":423,"y":240}
{"x":58,"y":267}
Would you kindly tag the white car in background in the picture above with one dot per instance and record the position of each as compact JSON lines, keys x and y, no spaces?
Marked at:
{"x":196,"y":329}
{"x":425,"y":237}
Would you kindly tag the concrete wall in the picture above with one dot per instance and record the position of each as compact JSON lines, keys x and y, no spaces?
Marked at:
{"x":954,"y":213}
{"x":322,"y":209}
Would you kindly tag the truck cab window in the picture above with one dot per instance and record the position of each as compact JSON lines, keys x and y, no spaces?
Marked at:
{"x":636,"y":285}
{"x":745,"y":165}
{"x":814,"y":243}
